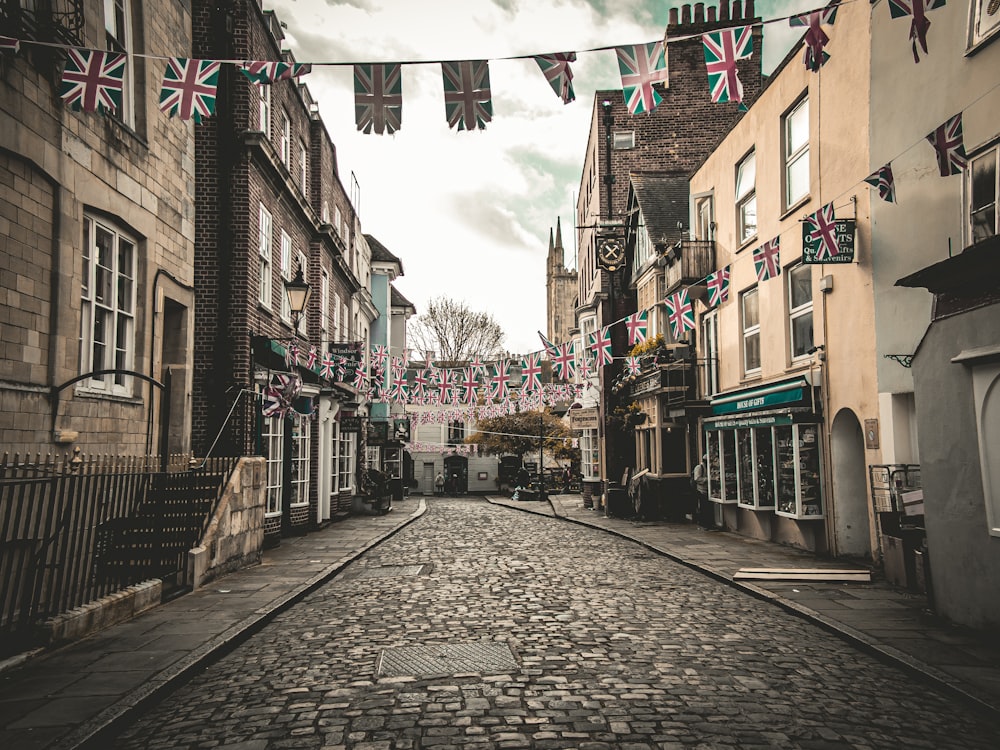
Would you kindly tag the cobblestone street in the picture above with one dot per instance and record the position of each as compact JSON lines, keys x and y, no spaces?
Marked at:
{"x":610,"y":646}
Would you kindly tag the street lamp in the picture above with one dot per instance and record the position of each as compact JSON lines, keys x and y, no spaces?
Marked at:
{"x":298,"y":291}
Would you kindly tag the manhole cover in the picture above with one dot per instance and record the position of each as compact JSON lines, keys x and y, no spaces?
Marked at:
{"x":391,"y":571}
{"x":425,"y":661}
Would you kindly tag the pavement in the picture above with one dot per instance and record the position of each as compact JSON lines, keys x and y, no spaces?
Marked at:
{"x":75,"y":695}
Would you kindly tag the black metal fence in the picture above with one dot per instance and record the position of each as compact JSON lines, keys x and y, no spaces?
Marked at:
{"x":74,"y":529}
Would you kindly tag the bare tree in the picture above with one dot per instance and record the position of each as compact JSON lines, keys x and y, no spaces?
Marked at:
{"x":454,"y":334}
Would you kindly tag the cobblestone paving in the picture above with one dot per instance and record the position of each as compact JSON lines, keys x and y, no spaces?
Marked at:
{"x":617,"y":648}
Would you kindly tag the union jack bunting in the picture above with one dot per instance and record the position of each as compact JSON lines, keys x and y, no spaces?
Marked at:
{"x":360,"y":380}
{"x":341,"y":368}
{"x":636,"y":325}
{"x":379,"y":354}
{"x":680,"y":312}
{"x":883,"y":180}
{"x":378,"y":98}
{"x":279,"y":394}
{"x":478,"y":367}
{"x":718,"y":287}
{"x":469,"y":387}
{"x":550,"y":348}
{"x":917,"y":10}
{"x":722,"y":50}
{"x":445,"y":385}
{"x":766,"y":260}
{"x":632,"y":366}
{"x":93,"y":80}
{"x":815,"y":38}
{"x":292,"y":354}
{"x":188,"y":88}
{"x":531,"y":372}
{"x":822,"y":230}
{"x":264,"y":72}
{"x":599,"y":342}
{"x":558,"y":73}
{"x":468,"y":103}
{"x":498,"y":381}
{"x":398,"y":388}
{"x":420,"y":382}
{"x":564,"y":361}
{"x":9,"y":44}
{"x":311,"y":357}
{"x":949,"y":146}
{"x":641,"y":66}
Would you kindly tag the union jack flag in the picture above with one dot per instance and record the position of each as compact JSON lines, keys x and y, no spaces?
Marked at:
{"x":822,"y":232}
{"x":379,"y":354}
{"x":531,"y":372}
{"x":341,"y":368}
{"x":398,"y":388}
{"x":883,"y":180}
{"x":420,"y":382}
{"x":292,"y":354}
{"x":766,"y":260}
{"x":311,"y":358}
{"x":445,"y":385}
{"x":498,"y":381}
{"x":478,"y":368}
{"x":917,"y":10}
{"x":815,"y":39}
{"x":188,"y":88}
{"x":9,"y":44}
{"x":599,"y":342}
{"x":263,"y":71}
{"x":718,"y":287}
{"x":680,"y":312}
{"x":279,"y":394}
{"x":360,"y":379}
{"x":93,"y":80}
{"x":467,"y":99}
{"x":632,"y":366}
{"x":641,"y":66}
{"x":469,"y":387}
{"x":551,"y":348}
{"x":564,"y":361}
{"x":636,"y":325}
{"x":558,"y":73}
{"x":378,"y":98}
{"x":949,"y":146}
{"x":722,"y":50}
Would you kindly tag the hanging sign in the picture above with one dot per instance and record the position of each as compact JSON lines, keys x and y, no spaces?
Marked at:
{"x":350,"y":424}
{"x":811,"y":244}
{"x":583,"y":419}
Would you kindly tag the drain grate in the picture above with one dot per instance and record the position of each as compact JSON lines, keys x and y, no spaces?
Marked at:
{"x":391,"y":571}
{"x":487,"y":657}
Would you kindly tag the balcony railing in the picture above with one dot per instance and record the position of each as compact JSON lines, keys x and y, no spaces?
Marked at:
{"x":679,"y":381}
{"x":689,"y":262}
{"x":59,"y":21}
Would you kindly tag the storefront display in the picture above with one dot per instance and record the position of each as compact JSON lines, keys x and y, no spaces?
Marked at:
{"x":798,"y":471}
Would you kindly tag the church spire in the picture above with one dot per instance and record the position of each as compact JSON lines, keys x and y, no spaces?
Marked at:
{"x":558,"y":233}
{"x":551,"y":246}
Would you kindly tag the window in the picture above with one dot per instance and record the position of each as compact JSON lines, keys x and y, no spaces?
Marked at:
{"x":983,"y":188}
{"x":345,"y":460}
{"x":590,"y":456}
{"x":285,"y":147}
{"x":118,"y":26}
{"x":324,"y":309}
{"x":746,"y":198}
{"x":336,"y":318}
{"x":273,"y":439}
{"x":393,"y":466}
{"x":303,"y":169}
{"x":325,"y":213}
{"x":107,"y":319}
{"x":264,"y":109}
{"x":704,"y":211}
{"x":751,"y":331}
{"x":800,"y":309}
{"x":299,"y":487}
{"x":338,"y":221}
{"x":304,"y":318}
{"x":264,"y":253}
{"x":986,"y":393}
{"x":286,"y":274}
{"x":456,"y":432}
{"x":985,"y":21}
{"x":796,"y":138}
{"x":623,"y":139}
{"x":710,"y":351}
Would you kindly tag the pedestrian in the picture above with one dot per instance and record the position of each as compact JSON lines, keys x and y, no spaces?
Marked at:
{"x":453,"y":484}
{"x":523,"y":480}
{"x":566,"y":478}
{"x":439,"y":484}
{"x":699,"y":481}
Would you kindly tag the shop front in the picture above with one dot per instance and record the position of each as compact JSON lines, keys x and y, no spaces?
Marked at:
{"x":764,"y":453}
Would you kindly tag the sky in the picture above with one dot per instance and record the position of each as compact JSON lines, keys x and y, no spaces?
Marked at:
{"x":469,"y":213}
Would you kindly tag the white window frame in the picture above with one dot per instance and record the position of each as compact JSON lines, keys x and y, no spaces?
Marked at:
{"x":119,"y":38}
{"x":590,"y":456}
{"x":324,"y":309}
{"x":336,"y":318}
{"x":273,"y":440}
{"x":800,"y":311}
{"x":338,"y":220}
{"x":304,"y":169}
{"x":345,"y":461}
{"x":263,"y":109}
{"x":710,"y":350}
{"x":265,"y":238}
{"x":622,"y":140}
{"x":704,"y":217}
{"x":115,"y":305}
{"x":301,"y":461}
{"x":285,"y":269}
{"x":285,"y":145}
{"x":796,"y":154}
{"x":984,"y":156}
{"x":746,"y":196}
{"x":750,"y":330}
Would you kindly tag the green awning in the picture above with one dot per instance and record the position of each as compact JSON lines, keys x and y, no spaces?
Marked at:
{"x":792,"y":392}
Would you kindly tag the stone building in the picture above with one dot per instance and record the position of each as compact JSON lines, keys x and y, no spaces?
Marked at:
{"x":560,"y":291}
{"x":97,"y":224}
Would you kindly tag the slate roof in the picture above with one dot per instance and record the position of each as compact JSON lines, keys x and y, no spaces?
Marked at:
{"x":663,"y":198}
{"x":381,"y":254}
{"x":398,"y":300}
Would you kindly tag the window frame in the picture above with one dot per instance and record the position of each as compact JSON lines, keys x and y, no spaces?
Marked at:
{"x":265,"y":242}
{"x":745,"y":198}
{"x":304,"y":169}
{"x":345,"y":460}
{"x":590,"y":456}
{"x":263,"y":109}
{"x":122,"y":40}
{"x":992,"y":149}
{"x":710,"y":351}
{"x":119,"y":347}
{"x":751,"y":330}
{"x":622,"y":140}
{"x":792,"y":156}
{"x":285,"y":142}
{"x":797,"y":312}
{"x":285,"y":269}
{"x":300,"y":461}
{"x":273,"y":440}
{"x":324,"y":309}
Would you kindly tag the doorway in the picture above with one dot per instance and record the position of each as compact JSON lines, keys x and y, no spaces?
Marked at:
{"x":456,"y":475}
{"x":852,"y":528}
{"x":427,"y":478}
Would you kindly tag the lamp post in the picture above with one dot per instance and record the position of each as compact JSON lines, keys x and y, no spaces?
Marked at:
{"x":299,"y":292}
{"x":541,"y":459}
{"x":610,"y":257}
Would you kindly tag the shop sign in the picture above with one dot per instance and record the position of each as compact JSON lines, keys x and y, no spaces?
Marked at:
{"x":350,"y":424}
{"x":584,"y":419}
{"x":845,"y":244}
{"x":378,"y":433}
{"x":738,"y":422}
{"x":351,"y":352}
{"x":401,"y":429}
{"x":646,"y":384}
{"x":768,"y":397}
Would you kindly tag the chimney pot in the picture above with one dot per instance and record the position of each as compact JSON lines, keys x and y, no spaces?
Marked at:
{"x":711,"y":14}
{"x":685,"y":15}
{"x":723,"y":10}
{"x":749,"y":9}
{"x":699,"y":12}
{"x":737,"y":10}
{"x":672,"y":20}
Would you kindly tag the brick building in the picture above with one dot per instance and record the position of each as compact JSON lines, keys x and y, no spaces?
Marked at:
{"x":674,"y":137}
{"x":560,"y":291}
{"x":97,"y":223}
{"x":270,"y":203}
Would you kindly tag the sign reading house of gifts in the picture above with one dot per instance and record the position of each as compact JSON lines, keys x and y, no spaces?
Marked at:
{"x":845,"y":244}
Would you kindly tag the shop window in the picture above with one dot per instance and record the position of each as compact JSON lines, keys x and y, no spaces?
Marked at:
{"x":755,"y":467}
{"x":107,"y":310}
{"x":264,"y":232}
{"x":797,"y":458}
{"x":800,"y":312}
{"x":983,"y":188}
{"x":273,"y":440}
{"x":722,"y":479}
{"x":751,"y":331}
{"x":264,"y":110}
{"x":373,"y":456}
{"x":345,"y":461}
{"x":746,"y":197}
{"x":119,"y":38}
{"x":795,"y":132}
{"x":299,"y":480}
{"x":590,"y":457}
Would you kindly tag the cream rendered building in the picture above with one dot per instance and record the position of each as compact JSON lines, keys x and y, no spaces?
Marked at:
{"x":791,"y":376}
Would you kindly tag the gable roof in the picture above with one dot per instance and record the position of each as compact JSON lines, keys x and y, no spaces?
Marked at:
{"x":663,"y":198}
{"x":381,"y":254}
